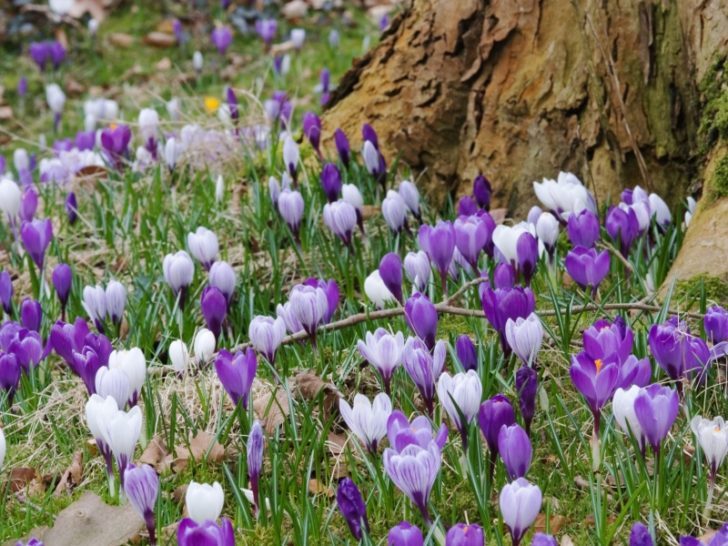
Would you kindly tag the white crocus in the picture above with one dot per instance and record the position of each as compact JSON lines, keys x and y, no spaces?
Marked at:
{"x":564,"y":196}
{"x":524,"y":337}
{"x":179,"y":356}
{"x":3,"y":448}
{"x":367,"y":420}
{"x":547,"y":229}
{"x":204,"y":345}
{"x":10,"y":196}
{"x":460,"y":396}
{"x":351,"y":194}
{"x":148,"y":124}
{"x":712,"y":435}
{"x":113,"y":384}
{"x":505,"y":239}
{"x":383,"y":350}
{"x":121,"y":434}
{"x":376,"y":290}
{"x":55,"y":97}
{"x":624,"y":412}
{"x":659,"y":210}
{"x":204,"y":501}
{"x":197,"y":61}
{"x":203,"y":245}
{"x":298,"y":36}
{"x":134,"y":365}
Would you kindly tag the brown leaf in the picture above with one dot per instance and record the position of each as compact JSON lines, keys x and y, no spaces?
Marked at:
{"x":74,"y":87}
{"x":163,"y":65}
{"x":315,"y":487}
{"x":369,"y":211}
{"x":335,"y":443}
{"x":160,"y":39}
{"x":566,"y":541}
{"x":72,"y":476}
{"x":90,"y":173}
{"x":202,"y":446}
{"x":179,"y":493}
{"x":295,"y":10}
{"x":155,"y":455}
{"x":6,"y":112}
{"x":499,"y":215}
{"x":555,"y":523}
{"x":271,"y":407}
{"x":20,"y":477}
{"x":120,"y":39}
{"x":166,"y":26}
{"x":310,"y":386}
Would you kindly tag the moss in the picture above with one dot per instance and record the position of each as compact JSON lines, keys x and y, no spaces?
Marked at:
{"x":718,"y":185}
{"x":689,"y":292}
{"x":714,"y":90}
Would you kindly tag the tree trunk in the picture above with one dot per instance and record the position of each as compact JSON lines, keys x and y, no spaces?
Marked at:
{"x":521,"y":89}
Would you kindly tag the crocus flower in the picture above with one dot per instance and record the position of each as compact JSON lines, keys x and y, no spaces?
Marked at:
{"x":423,"y":367}
{"x":525,"y":336}
{"x":640,"y":536}
{"x":367,"y":420}
{"x":492,"y":415}
{"x":390,"y":271}
{"x":405,"y":534}
{"x":266,"y":29}
{"x":462,"y":534}
{"x":421,"y":316}
{"x":40,"y":53}
{"x":712,"y":436}
{"x":236,"y":373}
{"x":209,"y":533}
{"x":141,"y":485}
{"x":134,"y":366}
{"x":221,"y":38}
{"x":373,"y":161}
{"x":342,"y":146}
{"x":502,"y":304}
{"x":624,"y":412}
{"x":515,"y":450}
{"x":715,"y":323}
{"x":290,"y":157}
{"x":214,"y":309}
{"x":36,"y":237}
{"x":94,"y":302}
{"x":471,"y":236}
{"x":418,"y":269}
{"x":222,"y":276}
{"x":605,"y":340}
{"x":656,"y":408}
{"x":439,"y":244}
{"x":402,"y":432}
{"x":312,"y":130}
{"x":179,"y":356}
{"x":121,"y":433}
{"x":564,"y":196}
{"x":203,"y":246}
{"x":6,"y":291}
{"x":466,"y":353}
{"x":99,"y":411}
{"x":622,"y":226}
{"x":115,"y":142}
{"x":411,"y":196}
{"x":583,"y":229}
{"x":290,"y":207}
{"x":547,"y":230}
{"x":542,"y":539}
{"x":204,"y":501}
{"x":676,"y":350}
{"x":351,"y":194}
{"x":352,"y":507}
{"x":394,"y":210}
{"x":31,"y":314}
{"x":414,"y":470}
{"x":383,"y":350}
{"x":587,"y":267}
{"x":56,"y":99}
{"x":71,"y":206}
{"x":115,"y":296}
{"x":256,"y":443}
{"x":10,"y":197}
{"x":178,"y":272}
{"x":309,"y":305}
{"x":520,"y":502}
{"x":266,"y":334}
{"x":482,"y":191}
{"x":204,"y":345}
{"x":331,"y":289}
{"x":460,"y":396}
{"x":114,"y":384}
{"x":331,"y":182}
{"x":9,"y":375}
{"x":340,"y":217}
{"x":527,"y":388}
{"x":720,"y":538}
{"x":467,"y":206}
{"x":596,"y":380}
{"x":28,"y":204}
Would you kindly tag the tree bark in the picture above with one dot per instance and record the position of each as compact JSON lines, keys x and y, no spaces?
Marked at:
{"x":521,"y":89}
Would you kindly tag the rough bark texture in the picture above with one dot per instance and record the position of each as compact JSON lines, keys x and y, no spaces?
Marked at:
{"x":521,"y":89}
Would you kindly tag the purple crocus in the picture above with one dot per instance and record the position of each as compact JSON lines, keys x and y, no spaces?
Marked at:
{"x":236,"y":373}
{"x":232,"y":102}
{"x":676,"y":350}
{"x":401,"y":432}
{"x":587,"y":267}
{"x":331,"y":182}
{"x":208,"y":533}
{"x":266,"y":29}
{"x":141,"y":485}
{"x":85,"y":140}
{"x":542,"y":539}
{"x":331,"y":289}
{"x":515,"y":450}
{"x":466,"y":353}
{"x":325,"y":83}
{"x":464,"y":534}
{"x":256,"y":443}
{"x":715,"y":323}
{"x":28,"y":204}
{"x":405,"y":534}
{"x":596,"y":380}
{"x":482,"y":191}
{"x":527,"y":388}
{"x":31,"y":314}
{"x":520,"y":503}
{"x":352,"y":507}
{"x":221,"y":37}
{"x":720,"y":538}
{"x":6,"y":291}
{"x":40,"y":53}
{"x":341,"y":218}
{"x":312,"y":130}
{"x":501,"y":304}
{"x":309,"y":305}
{"x":414,"y":470}
{"x":640,"y":536}
{"x":471,"y":236}
{"x":467,"y":206}
{"x":214,"y":309}
{"x":421,"y":316}
{"x":71,"y":208}
{"x":623,"y":227}
{"x":36,"y":237}
{"x":290,"y":206}
{"x":656,"y":408}
{"x":493,"y":414}
{"x":439,"y":244}
{"x":527,"y":254}
{"x":342,"y":146}
{"x":423,"y":367}
{"x":22,"y":88}
{"x":583,"y":228}
{"x":390,"y":270}
{"x":9,"y":375}
{"x":383,"y":351}
{"x":115,"y":143}
{"x":57,"y":53}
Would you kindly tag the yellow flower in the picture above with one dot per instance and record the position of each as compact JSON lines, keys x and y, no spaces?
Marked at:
{"x":212,"y":104}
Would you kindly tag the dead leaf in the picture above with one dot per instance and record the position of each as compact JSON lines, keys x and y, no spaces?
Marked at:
{"x":95,"y":8}
{"x":90,"y":174}
{"x":271,"y":407}
{"x":163,"y":65}
{"x":335,"y":443}
{"x":166,"y":26}
{"x":72,"y":476}
{"x":74,"y":87}
{"x":202,"y":446}
{"x":315,"y":487}
{"x":155,"y":455}
{"x":370,"y":211}
{"x":160,"y":39}
{"x":6,"y":112}
{"x":555,"y":523}
{"x":310,"y":386}
{"x":120,"y":39}
{"x":20,"y":477}
{"x":566,"y":541}
{"x":499,"y":215}
{"x":295,"y":10}
{"x":179,"y":493}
